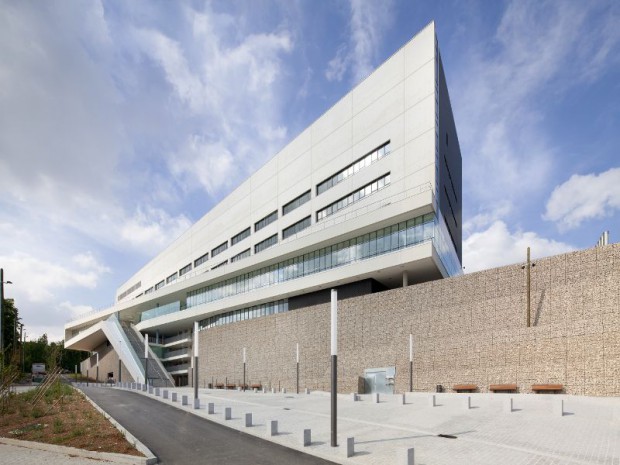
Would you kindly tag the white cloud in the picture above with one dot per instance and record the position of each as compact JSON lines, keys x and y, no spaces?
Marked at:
{"x":150,"y":229}
{"x":584,"y":197}
{"x":498,"y":246}
{"x":75,"y":310}
{"x":367,"y":22}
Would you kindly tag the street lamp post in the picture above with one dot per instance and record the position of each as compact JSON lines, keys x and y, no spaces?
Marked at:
{"x":195,"y":347}
{"x":97,"y":377}
{"x":334,"y":351}
{"x":2,"y":283}
{"x":297,"y":358}
{"x":244,"y":361}
{"x":411,"y":363}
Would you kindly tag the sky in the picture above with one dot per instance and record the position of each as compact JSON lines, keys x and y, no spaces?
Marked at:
{"x":123,"y":122}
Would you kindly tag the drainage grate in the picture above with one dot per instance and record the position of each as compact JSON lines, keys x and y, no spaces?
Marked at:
{"x":286,"y":408}
{"x":447,"y":436}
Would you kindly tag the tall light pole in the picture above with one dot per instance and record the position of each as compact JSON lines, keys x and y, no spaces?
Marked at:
{"x":297,"y":358}
{"x":529,"y":265}
{"x":334,"y":351}
{"x":244,"y":361}
{"x":2,"y":283}
{"x":195,"y":360}
{"x":146,"y":359}
{"x":411,"y":363}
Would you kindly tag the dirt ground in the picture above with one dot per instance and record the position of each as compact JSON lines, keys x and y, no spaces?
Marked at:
{"x":63,"y":417}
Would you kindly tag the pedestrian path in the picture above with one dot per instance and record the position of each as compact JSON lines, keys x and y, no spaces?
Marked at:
{"x":537,"y":429}
{"x":15,"y":452}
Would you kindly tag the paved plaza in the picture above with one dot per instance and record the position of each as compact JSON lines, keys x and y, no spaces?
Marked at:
{"x":534,"y":431}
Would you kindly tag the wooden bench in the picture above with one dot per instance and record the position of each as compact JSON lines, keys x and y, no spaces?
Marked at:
{"x":256,"y":386}
{"x":219,"y":385}
{"x":465,"y":388}
{"x":503,"y":388}
{"x":231,"y":386}
{"x":547,"y":387}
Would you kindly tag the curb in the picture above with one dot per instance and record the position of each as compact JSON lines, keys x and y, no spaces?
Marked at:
{"x":104,"y":457}
{"x":149,"y":459}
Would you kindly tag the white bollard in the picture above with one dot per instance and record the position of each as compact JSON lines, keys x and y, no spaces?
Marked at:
{"x":139,"y":386}
{"x":157,"y":392}
{"x":165,"y":393}
{"x":508,"y":405}
{"x":307,"y":437}
{"x":376,"y":397}
{"x":432,"y":401}
{"x":248,"y":420}
{"x":174,"y":397}
{"x":283,"y":390}
{"x":404,"y":399}
{"x":184,"y":400}
{"x":558,"y":408}
{"x":264,"y":390}
{"x":210,"y":408}
{"x":307,"y":390}
{"x":350,"y":447}
{"x":468,"y":403}
{"x":227,"y":413}
{"x":255,"y":390}
{"x":354,"y":397}
{"x":144,"y":386}
{"x":273,"y":427}
{"x":273,"y":390}
{"x":408,"y":457}
{"x":150,"y":389}
{"x":196,"y":403}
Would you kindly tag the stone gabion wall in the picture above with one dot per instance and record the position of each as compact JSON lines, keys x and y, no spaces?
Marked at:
{"x":468,"y":329}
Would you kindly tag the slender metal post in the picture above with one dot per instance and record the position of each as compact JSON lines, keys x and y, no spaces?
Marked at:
{"x":334,"y":353}
{"x":86,"y":377}
{"x":1,"y":321}
{"x":146,"y":359}
{"x":528,"y":287}
{"x":97,"y":378}
{"x":297,"y":359}
{"x":411,"y":363}
{"x":195,"y":360}
{"x":244,"y":360}
{"x":76,"y":373}
{"x":120,"y":380}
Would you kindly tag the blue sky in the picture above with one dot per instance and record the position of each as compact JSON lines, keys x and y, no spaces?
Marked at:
{"x":123,"y":122}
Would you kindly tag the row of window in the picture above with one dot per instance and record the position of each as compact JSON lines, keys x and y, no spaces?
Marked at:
{"x":404,"y":234}
{"x":269,"y":242}
{"x":297,"y":227}
{"x":346,"y":172}
{"x":353,"y":168}
{"x":296,"y":203}
{"x":219,"y":265}
{"x":130,"y":290}
{"x":256,"y":311}
{"x":353,"y":197}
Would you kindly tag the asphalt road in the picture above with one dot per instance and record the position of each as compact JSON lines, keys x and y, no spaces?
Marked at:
{"x":178,"y":437}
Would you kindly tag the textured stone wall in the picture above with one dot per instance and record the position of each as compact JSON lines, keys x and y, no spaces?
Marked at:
{"x":469,"y":329}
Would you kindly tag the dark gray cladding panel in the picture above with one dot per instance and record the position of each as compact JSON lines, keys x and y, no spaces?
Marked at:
{"x":358,"y":288}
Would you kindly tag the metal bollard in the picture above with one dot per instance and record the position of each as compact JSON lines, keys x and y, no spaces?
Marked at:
{"x":376,"y":397}
{"x":408,"y":457}
{"x":350,"y":447}
{"x":307,"y":437}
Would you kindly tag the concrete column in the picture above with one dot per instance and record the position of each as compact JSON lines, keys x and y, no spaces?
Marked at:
{"x":408,"y":457}
{"x":307,"y":437}
{"x":227,"y":413}
{"x":273,"y":427}
{"x":248,"y":420}
{"x":350,"y":447}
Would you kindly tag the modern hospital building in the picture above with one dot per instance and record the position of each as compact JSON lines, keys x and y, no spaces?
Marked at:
{"x":367,"y":200}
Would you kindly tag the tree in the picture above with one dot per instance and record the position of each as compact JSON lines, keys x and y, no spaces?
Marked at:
{"x":10,"y":329}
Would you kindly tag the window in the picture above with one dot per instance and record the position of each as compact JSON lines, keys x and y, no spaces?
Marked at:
{"x":225,"y":262}
{"x":172,"y":277}
{"x":366,"y":160}
{"x":219,"y":249}
{"x":295,"y":228}
{"x":269,"y":242}
{"x":239,"y":256}
{"x":130,"y":290}
{"x":200,"y":260}
{"x":353,"y":197}
{"x":239,"y":237}
{"x":186,"y":269}
{"x":295,"y":203}
{"x":159,"y":285}
{"x":149,"y":290}
{"x":265,"y":221}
